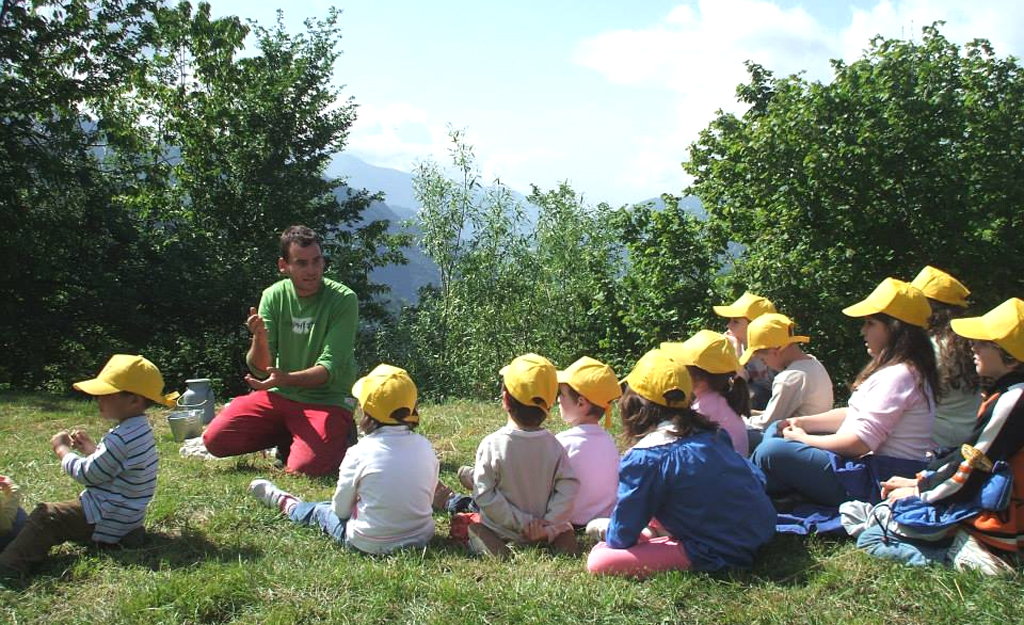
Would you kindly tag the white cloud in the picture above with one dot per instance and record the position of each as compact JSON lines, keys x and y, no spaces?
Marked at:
{"x":396,"y":135}
{"x":697,"y":54}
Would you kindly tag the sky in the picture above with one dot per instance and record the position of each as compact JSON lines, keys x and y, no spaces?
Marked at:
{"x":604,"y":94}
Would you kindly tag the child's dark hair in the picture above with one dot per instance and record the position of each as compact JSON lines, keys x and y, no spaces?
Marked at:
{"x":300,"y":235}
{"x":640,"y":416}
{"x":730,"y":386}
{"x":368,"y":424}
{"x":595,"y":410}
{"x":955,"y":360}
{"x":527,"y":417}
{"x":146,"y":401}
{"x":908,"y":344}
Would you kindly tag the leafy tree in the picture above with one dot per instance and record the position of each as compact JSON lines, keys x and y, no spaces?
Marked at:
{"x":909,"y":156}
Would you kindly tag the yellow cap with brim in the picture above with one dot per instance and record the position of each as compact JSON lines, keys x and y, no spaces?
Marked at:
{"x":532,"y":380}
{"x":657,"y":374}
{"x":133,"y":374}
{"x":1003,"y":325}
{"x":897,"y":299}
{"x":748,"y":306}
{"x":940,"y":286}
{"x":768,"y":331}
{"x":709,"y":350}
{"x":385,"y":390}
{"x":594,"y":380}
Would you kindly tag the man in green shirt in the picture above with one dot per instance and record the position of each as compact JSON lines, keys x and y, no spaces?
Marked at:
{"x":302,"y":366}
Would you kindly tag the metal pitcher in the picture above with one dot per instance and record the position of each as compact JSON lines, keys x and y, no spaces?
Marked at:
{"x":198,"y":396}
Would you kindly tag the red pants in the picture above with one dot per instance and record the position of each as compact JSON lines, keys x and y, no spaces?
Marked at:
{"x":642,"y":559}
{"x":316,"y":434}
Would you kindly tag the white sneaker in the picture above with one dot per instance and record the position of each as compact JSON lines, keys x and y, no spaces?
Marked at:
{"x":598,"y":528}
{"x":969,"y":554}
{"x":267,"y":492}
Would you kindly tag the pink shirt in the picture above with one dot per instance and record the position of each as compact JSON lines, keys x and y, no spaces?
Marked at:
{"x":715,"y":407}
{"x":891,"y":415}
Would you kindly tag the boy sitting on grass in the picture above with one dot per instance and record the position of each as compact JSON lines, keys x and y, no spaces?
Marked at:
{"x":523,"y":484}
{"x":119,"y":474}
{"x":586,"y":390}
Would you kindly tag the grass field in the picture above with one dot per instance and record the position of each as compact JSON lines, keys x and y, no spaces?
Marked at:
{"x":215,"y":555}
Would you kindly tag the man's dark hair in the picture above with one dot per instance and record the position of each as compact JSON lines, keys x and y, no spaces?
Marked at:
{"x":300,"y":235}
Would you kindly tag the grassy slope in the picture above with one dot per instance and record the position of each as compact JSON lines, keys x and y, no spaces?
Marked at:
{"x":217,"y":556}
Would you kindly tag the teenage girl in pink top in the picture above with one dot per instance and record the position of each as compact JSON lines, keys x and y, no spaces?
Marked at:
{"x":890,"y":414}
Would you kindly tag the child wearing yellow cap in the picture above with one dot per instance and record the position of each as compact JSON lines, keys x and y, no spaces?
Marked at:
{"x":740,"y":313}
{"x":719,"y":393}
{"x":586,"y":390}
{"x":801,"y":387}
{"x":386,"y":481}
{"x":119,"y":473}
{"x":977,"y":536}
{"x":707,"y":506}
{"x":959,"y":392}
{"x":887,"y":425}
{"x":523,"y":484}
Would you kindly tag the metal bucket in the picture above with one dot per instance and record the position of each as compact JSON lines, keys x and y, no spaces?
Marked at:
{"x":185,"y":424}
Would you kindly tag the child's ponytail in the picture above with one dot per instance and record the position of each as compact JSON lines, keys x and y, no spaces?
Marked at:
{"x":738,"y":396}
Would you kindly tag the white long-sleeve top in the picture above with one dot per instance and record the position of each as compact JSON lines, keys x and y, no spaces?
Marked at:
{"x":385,"y":487}
{"x":522,"y":475}
{"x":802,"y":388}
{"x":119,"y":478}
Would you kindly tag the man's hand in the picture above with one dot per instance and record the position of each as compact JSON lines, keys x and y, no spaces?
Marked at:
{"x":275,"y":377}
{"x":255,"y":323}
{"x":81,"y":442}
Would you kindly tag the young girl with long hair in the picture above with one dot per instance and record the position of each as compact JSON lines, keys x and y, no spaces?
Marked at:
{"x":958,"y":395}
{"x":686,"y":500}
{"x":718,"y":392}
{"x":890,"y":414}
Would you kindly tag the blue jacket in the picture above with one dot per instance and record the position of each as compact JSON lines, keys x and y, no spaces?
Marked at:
{"x":701,"y":491}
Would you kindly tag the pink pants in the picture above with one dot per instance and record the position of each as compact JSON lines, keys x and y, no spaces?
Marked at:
{"x":316,"y":434}
{"x":642,"y":559}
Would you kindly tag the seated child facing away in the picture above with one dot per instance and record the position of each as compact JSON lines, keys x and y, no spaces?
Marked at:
{"x":12,"y":517}
{"x":523,"y":483}
{"x":801,"y":387}
{"x":681,"y":481}
{"x":586,"y":390}
{"x":119,"y":473}
{"x":719,"y":393}
{"x":386,"y":481}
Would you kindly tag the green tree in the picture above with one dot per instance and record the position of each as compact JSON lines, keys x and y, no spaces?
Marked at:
{"x":908,"y":156}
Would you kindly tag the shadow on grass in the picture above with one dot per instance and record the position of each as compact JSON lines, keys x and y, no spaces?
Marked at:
{"x":787,"y":561}
{"x":47,"y":403}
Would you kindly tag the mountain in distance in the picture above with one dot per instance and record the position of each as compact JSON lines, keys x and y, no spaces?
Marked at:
{"x":400,"y":208}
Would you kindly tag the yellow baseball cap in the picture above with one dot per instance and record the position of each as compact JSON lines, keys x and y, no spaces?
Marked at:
{"x":532,"y":380}
{"x":133,"y":374}
{"x":656,"y":374}
{"x":708,"y":350}
{"x":1004,"y":325}
{"x":594,"y":380}
{"x":767,"y":331}
{"x":897,"y":299}
{"x":748,"y":306}
{"x":385,"y":390}
{"x":940,"y":286}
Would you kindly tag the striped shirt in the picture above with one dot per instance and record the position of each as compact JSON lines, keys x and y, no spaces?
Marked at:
{"x":119,"y":478}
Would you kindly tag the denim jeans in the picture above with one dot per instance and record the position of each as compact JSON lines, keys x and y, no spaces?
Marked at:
{"x":906,"y":550}
{"x":795,"y":467}
{"x":319,"y":514}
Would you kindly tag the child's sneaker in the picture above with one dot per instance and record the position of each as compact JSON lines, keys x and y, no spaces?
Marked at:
{"x":484,"y":542}
{"x":271,"y":495}
{"x":597,"y":528}
{"x":466,"y":477}
{"x":565,"y":543}
{"x":968,"y":554}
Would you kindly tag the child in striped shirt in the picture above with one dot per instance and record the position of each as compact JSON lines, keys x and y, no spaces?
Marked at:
{"x":119,"y":473}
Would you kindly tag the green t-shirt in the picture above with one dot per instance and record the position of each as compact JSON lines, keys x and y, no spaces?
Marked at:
{"x":315,"y":330}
